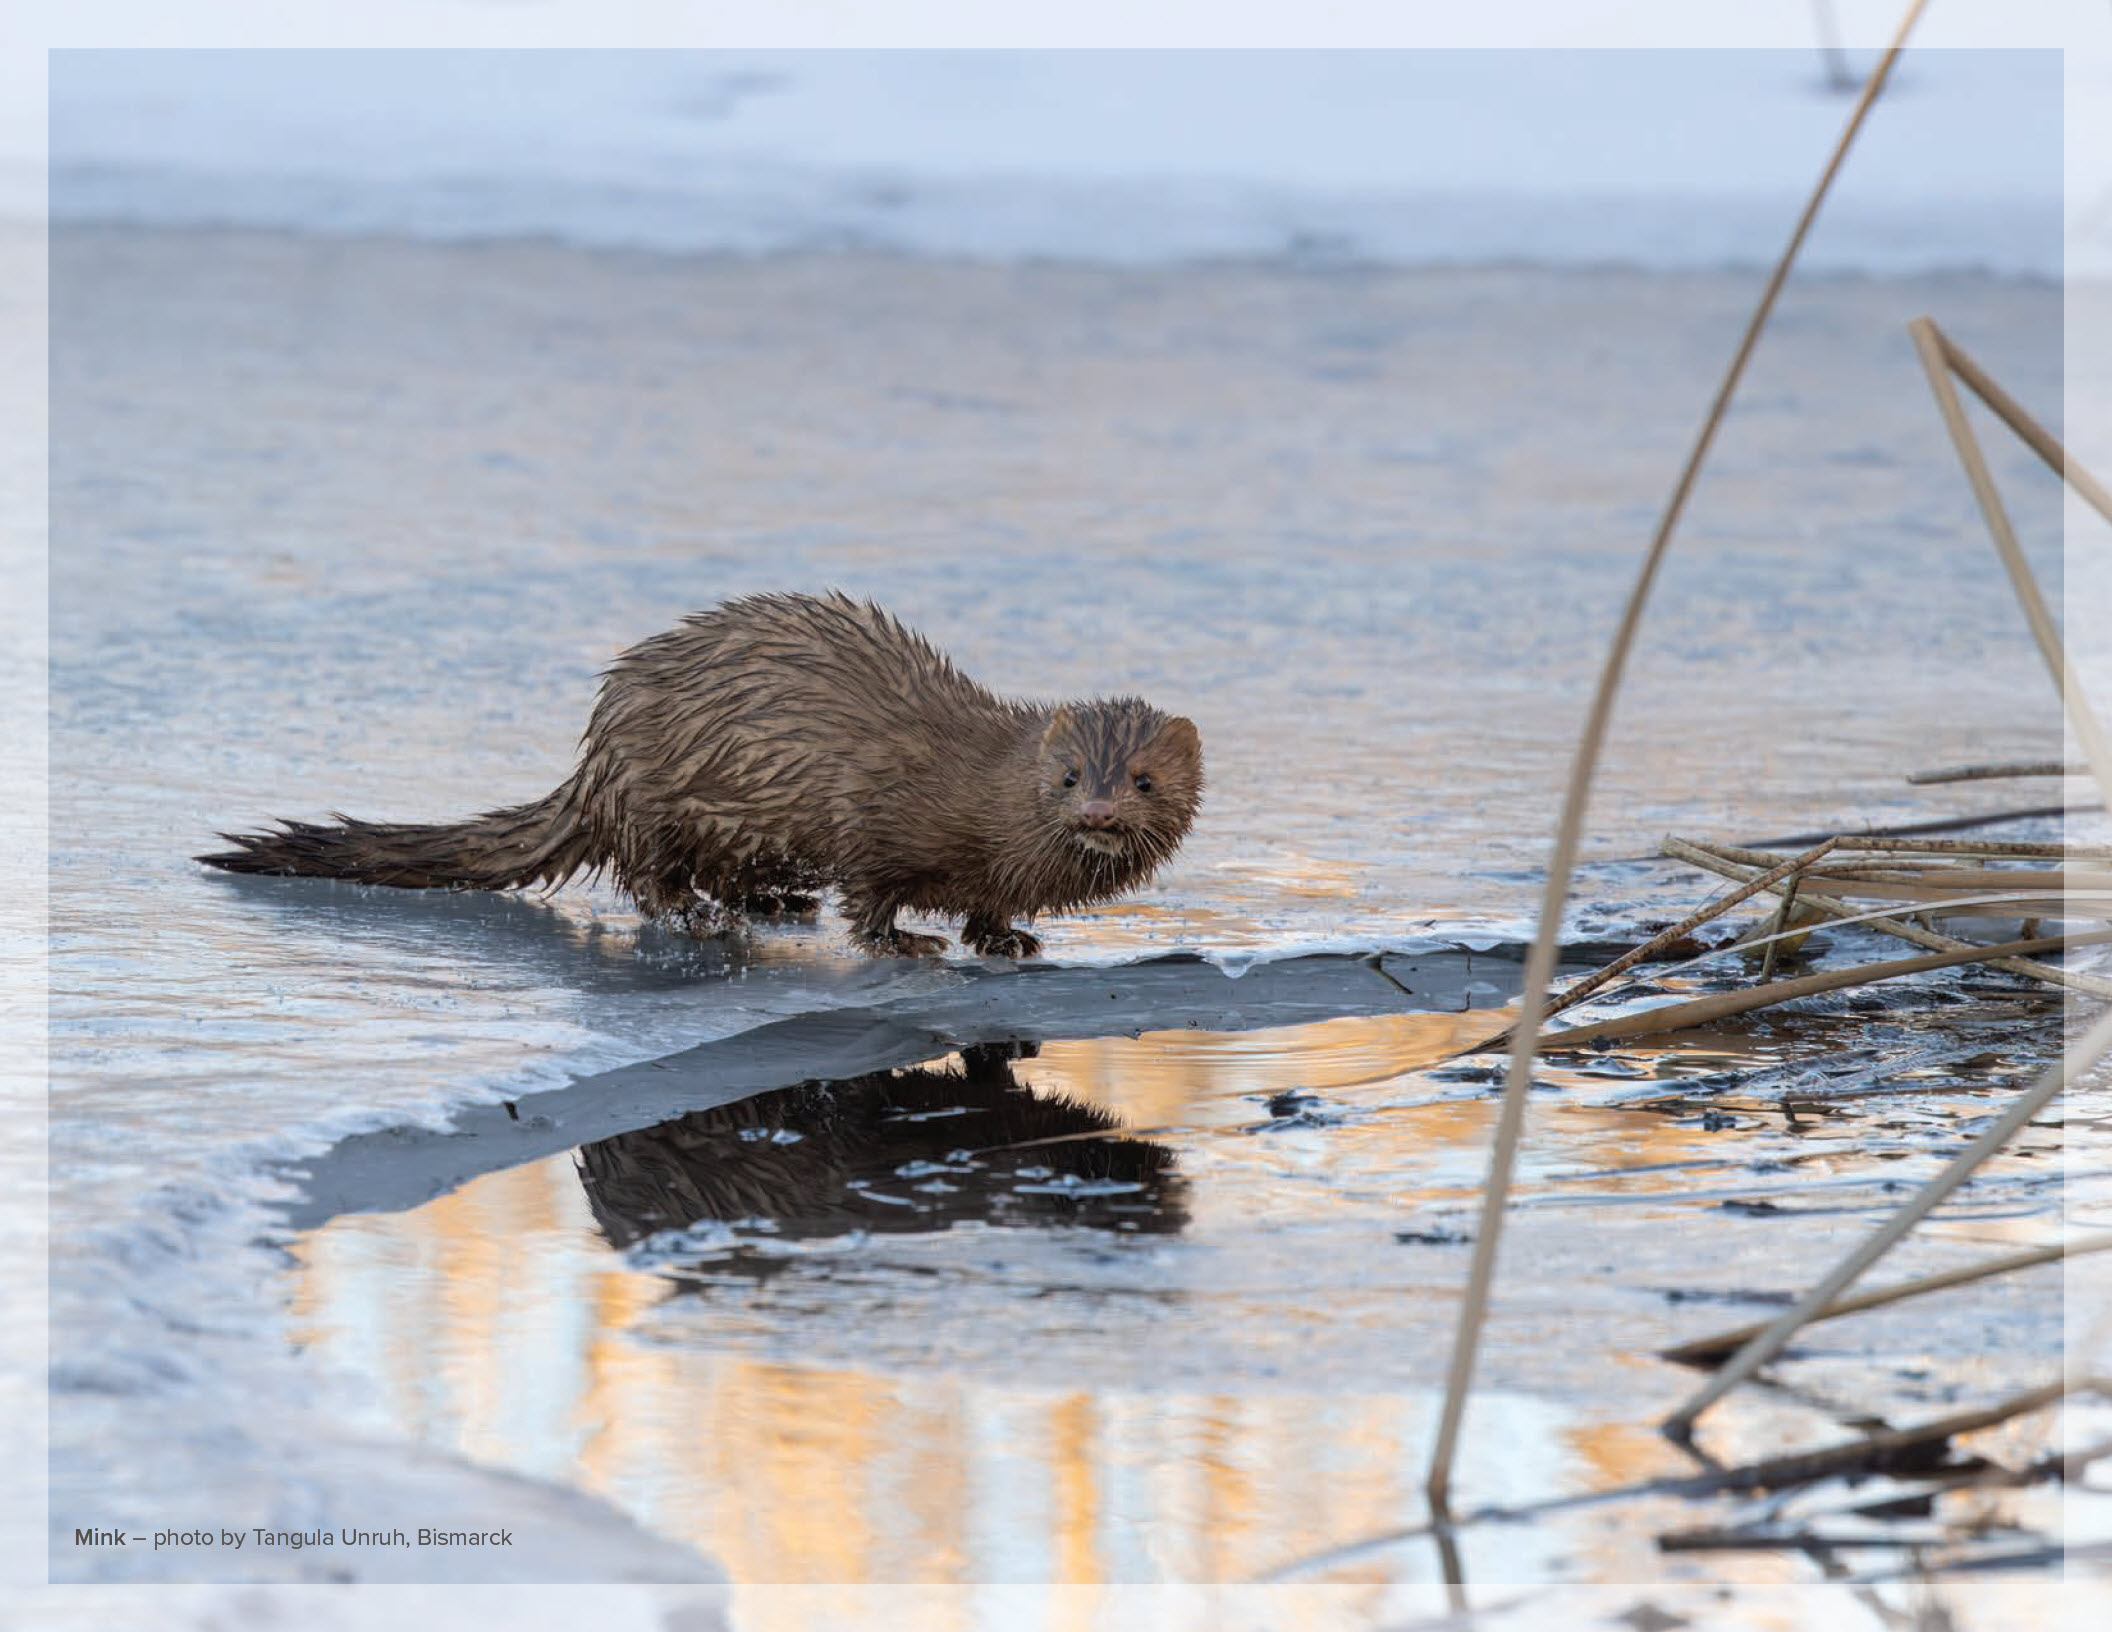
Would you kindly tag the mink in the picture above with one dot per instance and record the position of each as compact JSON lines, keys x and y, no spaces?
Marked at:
{"x":778,"y":745}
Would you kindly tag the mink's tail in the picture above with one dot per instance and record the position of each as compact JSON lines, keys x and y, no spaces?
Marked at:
{"x":541,"y":843}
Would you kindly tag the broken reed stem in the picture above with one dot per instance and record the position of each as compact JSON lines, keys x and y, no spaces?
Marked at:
{"x":1991,"y":955}
{"x":2050,"y":850}
{"x":1599,"y":978}
{"x":1765,"y":1344}
{"x":2034,"y":435}
{"x":1540,"y":962}
{"x":1686,"y":926}
{"x":1919,"y":898}
{"x":1948,"y":824}
{"x":1735,"y":862}
{"x":1730,"y":861}
{"x":1779,"y":928}
{"x":1950,"y":875}
{"x":1707,"y":1351}
{"x":1938,"y":358}
{"x":1884,"y":1450}
{"x":1701,"y":1011}
{"x":2068,"y":1465}
{"x":1996,"y":773}
{"x":1719,"y":1540}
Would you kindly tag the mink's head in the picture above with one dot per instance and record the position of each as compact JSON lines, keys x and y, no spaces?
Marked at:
{"x":1120,"y":779}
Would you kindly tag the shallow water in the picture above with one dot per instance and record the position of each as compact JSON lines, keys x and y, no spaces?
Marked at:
{"x":353,"y":524}
{"x":1138,"y":1309}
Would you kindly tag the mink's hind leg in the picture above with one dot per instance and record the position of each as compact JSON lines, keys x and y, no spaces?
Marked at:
{"x":778,"y":889}
{"x":873,"y":928}
{"x":706,"y":919}
{"x":772,"y":904}
{"x":994,"y":938}
{"x":671,"y":897}
{"x":665,"y":902}
{"x":771,"y":885}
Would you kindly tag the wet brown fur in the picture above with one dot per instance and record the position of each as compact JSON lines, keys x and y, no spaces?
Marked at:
{"x":778,"y":744}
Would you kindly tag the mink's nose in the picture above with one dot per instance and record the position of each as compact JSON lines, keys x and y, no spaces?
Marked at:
{"x":1098,"y":812}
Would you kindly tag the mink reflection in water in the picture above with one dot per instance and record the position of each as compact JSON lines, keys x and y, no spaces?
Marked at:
{"x":905,"y":1151}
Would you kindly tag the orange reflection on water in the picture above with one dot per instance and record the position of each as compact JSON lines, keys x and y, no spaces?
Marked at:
{"x":501,"y":1326}
{"x":499,"y":1323}
{"x":1413,"y":1148}
{"x":1164,"y":1077}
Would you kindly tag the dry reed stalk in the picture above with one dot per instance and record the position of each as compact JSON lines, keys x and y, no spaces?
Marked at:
{"x":1870,"y":915}
{"x":1936,"y":897}
{"x":1540,"y":963}
{"x":1599,"y":978}
{"x":1949,"y":875}
{"x":1750,"y":857}
{"x":1778,"y":931}
{"x":2034,"y":435}
{"x":1945,"y":824}
{"x":1938,"y":358}
{"x":1726,"y":860}
{"x":1701,"y":1484}
{"x":1942,"y":880}
{"x":1702,"y":1011}
{"x":1707,"y":1351}
{"x":1928,"y":902}
{"x":1967,"y":952}
{"x":1884,"y":1450}
{"x":1716,"y":1539}
{"x":2043,"y":849}
{"x":1996,"y":773}
{"x":1768,"y":1341}
{"x":1731,"y":861}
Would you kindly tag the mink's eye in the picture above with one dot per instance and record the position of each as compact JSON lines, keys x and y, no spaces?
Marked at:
{"x":1070,"y":779}
{"x":1143,"y":784}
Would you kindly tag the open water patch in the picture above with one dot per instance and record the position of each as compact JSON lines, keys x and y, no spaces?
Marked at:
{"x":910,"y":1294}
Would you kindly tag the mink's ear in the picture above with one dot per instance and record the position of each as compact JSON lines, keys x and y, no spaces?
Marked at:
{"x":1179,"y":736}
{"x":1059,"y":728}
